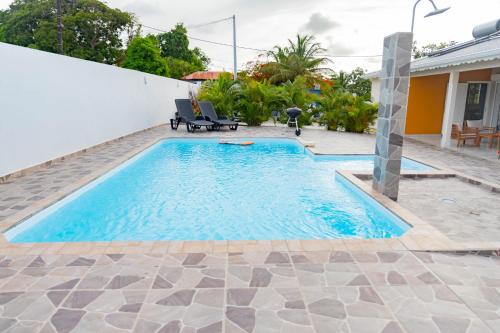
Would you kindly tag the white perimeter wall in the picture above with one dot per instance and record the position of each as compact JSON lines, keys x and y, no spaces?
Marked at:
{"x":52,"y":105}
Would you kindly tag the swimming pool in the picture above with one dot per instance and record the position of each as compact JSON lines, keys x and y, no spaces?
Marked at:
{"x":198,"y":189}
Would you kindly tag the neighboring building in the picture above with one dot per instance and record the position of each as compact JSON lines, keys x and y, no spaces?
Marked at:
{"x":200,"y":77}
{"x":459,"y":83}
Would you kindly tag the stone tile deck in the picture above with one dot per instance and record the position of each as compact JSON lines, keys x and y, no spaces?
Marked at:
{"x":462,"y":211}
{"x":274,"y":286}
{"x":341,"y":291}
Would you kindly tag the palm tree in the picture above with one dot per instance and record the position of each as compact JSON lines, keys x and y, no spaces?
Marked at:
{"x":341,"y":81}
{"x":299,"y":58}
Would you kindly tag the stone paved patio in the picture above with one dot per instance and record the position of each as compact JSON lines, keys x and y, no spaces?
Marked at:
{"x":396,"y":291}
{"x":251,"y":291}
{"x":462,"y":211}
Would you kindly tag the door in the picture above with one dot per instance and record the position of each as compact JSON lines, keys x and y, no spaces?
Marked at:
{"x":476,"y":100}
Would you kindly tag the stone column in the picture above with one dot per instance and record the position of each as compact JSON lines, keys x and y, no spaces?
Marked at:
{"x":394,"y":85}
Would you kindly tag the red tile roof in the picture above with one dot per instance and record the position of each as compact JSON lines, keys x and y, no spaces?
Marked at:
{"x":200,"y":76}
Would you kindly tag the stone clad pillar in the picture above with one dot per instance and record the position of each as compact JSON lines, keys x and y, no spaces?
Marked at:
{"x":394,"y":85}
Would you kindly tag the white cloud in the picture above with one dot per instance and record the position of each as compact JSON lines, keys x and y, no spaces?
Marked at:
{"x":319,"y":24}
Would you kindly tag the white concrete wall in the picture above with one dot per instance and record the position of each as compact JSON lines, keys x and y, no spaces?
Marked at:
{"x":52,"y":105}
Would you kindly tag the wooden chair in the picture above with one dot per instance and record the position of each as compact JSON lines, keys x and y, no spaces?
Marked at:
{"x":468,"y":133}
{"x":479,"y":125}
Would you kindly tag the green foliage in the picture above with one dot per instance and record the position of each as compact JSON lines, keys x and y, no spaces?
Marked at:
{"x":172,"y":49}
{"x":175,"y":43}
{"x":353,"y":82}
{"x":424,"y":51}
{"x":174,"y":46}
{"x":258,"y":100}
{"x":299,"y":58}
{"x":342,"y":110}
{"x":143,"y":54}
{"x":179,"y":68}
{"x":92,"y":30}
{"x":19,"y":22}
{"x":297,"y":94}
{"x":224,"y":94}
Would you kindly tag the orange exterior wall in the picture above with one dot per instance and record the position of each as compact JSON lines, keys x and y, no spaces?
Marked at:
{"x":479,"y":75}
{"x":426,"y":104}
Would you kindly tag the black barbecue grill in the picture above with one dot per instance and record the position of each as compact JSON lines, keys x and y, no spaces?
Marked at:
{"x":293,"y":115}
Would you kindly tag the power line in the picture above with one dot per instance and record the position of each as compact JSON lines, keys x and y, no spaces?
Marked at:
{"x":208,"y":23}
{"x":209,"y":41}
{"x":349,"y":56}
{"x":261,"y":50}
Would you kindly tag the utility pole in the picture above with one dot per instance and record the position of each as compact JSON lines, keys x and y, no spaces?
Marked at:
{"x":235,"y":72}
{"x":59,"y":27}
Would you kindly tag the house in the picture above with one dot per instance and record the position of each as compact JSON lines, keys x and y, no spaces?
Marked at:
{"x":202,"y":76}
{"x":458,"y":83}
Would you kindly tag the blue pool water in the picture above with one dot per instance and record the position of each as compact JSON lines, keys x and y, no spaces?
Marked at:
{"x":190,"y":189}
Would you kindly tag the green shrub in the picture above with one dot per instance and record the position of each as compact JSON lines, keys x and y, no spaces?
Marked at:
{"x":297,"y":94}
{"x":258,"y":100}
{"x":341,"y":110}
{"x":224,"y":94}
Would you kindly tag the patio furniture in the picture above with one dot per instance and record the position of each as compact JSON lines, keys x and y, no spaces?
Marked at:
{"x":185,"y":114}
{"x":208,"y":111}
{"x":463,"y":135}
{"x":490,"y":136}
{"x":479,"y":125}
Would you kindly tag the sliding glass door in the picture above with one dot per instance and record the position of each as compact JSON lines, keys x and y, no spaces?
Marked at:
{"x":476,"y":101}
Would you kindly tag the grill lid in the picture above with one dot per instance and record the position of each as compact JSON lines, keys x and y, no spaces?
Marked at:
{"x":293,"y":112}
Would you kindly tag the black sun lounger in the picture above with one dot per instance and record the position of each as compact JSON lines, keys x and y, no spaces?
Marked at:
{"x":208,"y":111}
{"x":185,"y":114}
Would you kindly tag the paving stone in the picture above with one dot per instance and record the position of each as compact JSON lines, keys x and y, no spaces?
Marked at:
{"x":277,"y":258}
{"x":194,"y":258}
{"x":241,"y":296}
{"x":179,"y":298}
{"x":242,"y":317}
{"x":120,"y":281}
{"x":56,"y":297}
{"x":65,"y":320}
{"x":172,"y":327}
{"x":80,"y":299}
{"x":8,"y":296}
{"x":328,"y":307}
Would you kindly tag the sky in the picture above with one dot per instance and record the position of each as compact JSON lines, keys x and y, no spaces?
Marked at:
{"x":353,"y":28}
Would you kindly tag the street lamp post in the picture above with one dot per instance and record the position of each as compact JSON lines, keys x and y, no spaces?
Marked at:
{"x":60,"y":48}
{"x":235,"y":68}
{"x":436,"y":11}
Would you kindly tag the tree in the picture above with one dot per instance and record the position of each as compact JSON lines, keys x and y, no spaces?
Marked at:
{"x":19,"y":22}
{"x":353,"y":82}
{"x":180,"y":68}
{"x":426,"y":50}
{"x":143,"y":54}
{"x":301,"y":57}
{"x":92,"y":30}
{"x":175,"y":45}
